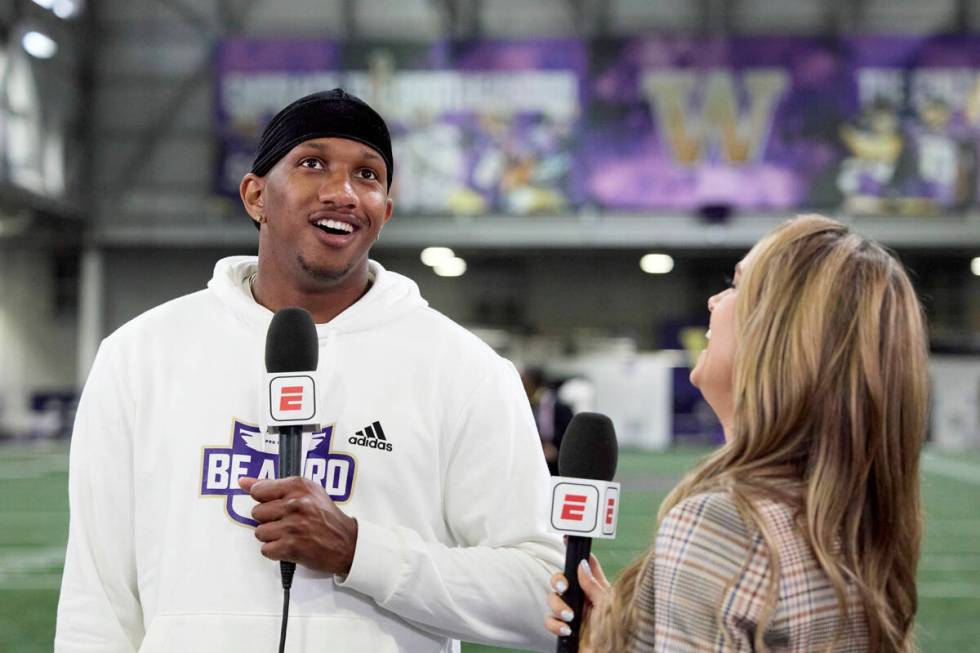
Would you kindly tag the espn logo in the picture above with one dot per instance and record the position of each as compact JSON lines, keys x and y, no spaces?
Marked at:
{"x":610,"y":511}
{"x":292,"y":398}
{"x":584,"y":507}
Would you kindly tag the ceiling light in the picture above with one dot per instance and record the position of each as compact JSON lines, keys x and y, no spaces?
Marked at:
{"x":64,"y":8}
{"x":433,"y":256}
{"x":39,"y":45}
{"x":657,"y":263}
{"x":975,"y":266}
{"x":453,"y":267}
{"x":47,"y":4}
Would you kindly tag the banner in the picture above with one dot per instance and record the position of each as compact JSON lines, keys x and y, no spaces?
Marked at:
{"x":679,"y":124}
{"x":874,"y":125}
{"x":254,"y":80}
{"x":476,"y":128}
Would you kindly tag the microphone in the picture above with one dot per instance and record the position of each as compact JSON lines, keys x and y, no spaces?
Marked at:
{"x":292,"y":353}
{"x":584,"y":502}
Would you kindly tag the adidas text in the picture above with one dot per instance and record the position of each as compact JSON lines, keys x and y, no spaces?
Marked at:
{"x":372,"y":437}
{"x":370,"y":443}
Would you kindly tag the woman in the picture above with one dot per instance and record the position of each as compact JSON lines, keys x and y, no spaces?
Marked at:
{"x":802,"y":532}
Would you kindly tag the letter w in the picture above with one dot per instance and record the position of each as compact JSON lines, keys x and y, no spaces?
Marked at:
{"x":720,"y":121}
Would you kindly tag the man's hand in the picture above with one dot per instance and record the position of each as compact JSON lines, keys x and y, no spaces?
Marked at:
{"x":299,"y":523}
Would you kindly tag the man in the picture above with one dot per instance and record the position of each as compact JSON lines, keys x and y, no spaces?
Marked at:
{"x":551,"y":415}
{"x":431,"y":525}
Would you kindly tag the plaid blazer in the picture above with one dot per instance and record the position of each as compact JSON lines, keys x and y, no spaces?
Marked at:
{"x":710,"y":577}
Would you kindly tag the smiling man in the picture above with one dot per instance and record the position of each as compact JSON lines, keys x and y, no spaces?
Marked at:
{"x":420,"y":516}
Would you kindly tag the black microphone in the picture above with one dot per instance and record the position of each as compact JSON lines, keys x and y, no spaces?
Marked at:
{"x":291,"y":345}
{"x":588,"y":451}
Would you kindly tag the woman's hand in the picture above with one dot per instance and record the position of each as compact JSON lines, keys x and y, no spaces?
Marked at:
{"x":595,"y":587}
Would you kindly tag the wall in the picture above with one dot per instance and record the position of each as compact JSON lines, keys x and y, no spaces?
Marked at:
{"x":542,"y":293}
{"x":37,"y":344}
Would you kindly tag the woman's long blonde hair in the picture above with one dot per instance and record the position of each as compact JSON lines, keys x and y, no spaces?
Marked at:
{"x":830,"y":402}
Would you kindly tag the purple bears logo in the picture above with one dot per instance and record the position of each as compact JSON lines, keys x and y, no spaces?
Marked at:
{"x":221,"y":468}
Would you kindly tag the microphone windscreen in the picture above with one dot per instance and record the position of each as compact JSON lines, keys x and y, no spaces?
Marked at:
{"x":291,"y":344}
{"x":588,"y":448}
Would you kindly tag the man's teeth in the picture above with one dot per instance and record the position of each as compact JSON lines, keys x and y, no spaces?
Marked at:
{"x":707,"y":335}
{"x":335,"y":224}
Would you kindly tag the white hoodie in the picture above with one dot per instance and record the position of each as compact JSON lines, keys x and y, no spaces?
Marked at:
{"x":451,"y":542}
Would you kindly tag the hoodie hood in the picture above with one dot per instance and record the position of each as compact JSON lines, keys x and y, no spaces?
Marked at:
{"x":391,"y":296}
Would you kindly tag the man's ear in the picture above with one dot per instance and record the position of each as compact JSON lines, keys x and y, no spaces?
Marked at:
{"x":389,"y":207}
{"x":251,"y":191}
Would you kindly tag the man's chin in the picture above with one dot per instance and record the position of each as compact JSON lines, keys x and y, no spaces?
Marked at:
{"x":325,"y":274}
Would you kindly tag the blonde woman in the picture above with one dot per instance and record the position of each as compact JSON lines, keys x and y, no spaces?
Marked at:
{"x":802,"y":532}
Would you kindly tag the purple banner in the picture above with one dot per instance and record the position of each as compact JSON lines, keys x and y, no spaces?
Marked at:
{"x":684,"y":123}
{"x":476,"y":128}
{"x":254,"y":80}
{"x":871,"y":124}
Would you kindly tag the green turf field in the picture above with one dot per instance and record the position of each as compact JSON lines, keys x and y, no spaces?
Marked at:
{"x":34,"y":519}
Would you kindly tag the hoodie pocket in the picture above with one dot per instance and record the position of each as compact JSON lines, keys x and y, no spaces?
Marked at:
{"x":248,"y":633}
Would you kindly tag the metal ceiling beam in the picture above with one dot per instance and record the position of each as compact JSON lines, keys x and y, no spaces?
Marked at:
{"x":716,"y":17}
{"x":133,"y":167}
{"x":348,"y":15}
{"x":844,"y":16}
{"x":963,"y":16}
{"x":461,"y":19}
{"x":191,"y":16}
{"x":578,"y":11}
{"x":589,"y":17}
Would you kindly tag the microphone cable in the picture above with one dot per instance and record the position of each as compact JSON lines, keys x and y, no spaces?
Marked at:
{"x":286,"y":569}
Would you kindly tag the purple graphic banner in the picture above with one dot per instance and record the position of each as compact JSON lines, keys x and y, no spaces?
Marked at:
{"x":876,"y":124}
{"x":683,"y":123}
{"x":871,"y":124}
{"x":254,"y":80}
{"x":476,"y":128}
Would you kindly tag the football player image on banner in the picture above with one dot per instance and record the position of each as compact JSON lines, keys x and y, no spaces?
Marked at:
{"x":911,"y":148}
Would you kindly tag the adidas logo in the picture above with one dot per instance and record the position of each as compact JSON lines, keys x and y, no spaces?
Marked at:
{"x":372,"y":437}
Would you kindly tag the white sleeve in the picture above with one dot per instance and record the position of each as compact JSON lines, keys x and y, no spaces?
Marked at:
{"x":492,"y":587}
{"x":99,"y":609}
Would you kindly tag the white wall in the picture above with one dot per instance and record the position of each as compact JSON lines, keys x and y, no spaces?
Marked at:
{"x":37,"y":349}
{"x":955,"y":401}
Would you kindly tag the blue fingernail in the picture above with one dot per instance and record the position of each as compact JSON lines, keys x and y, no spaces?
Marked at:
{"x":567,"y":615}
{"x":565,"y":631}
{"x":561,"y":586}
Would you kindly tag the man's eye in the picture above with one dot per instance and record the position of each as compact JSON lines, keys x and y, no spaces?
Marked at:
{"x":311,"y":163}
{"x":367,"y":173}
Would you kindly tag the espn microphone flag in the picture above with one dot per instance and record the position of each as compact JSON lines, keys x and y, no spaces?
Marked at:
{"x":584,"y":507}
{"x":289,"y":396}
